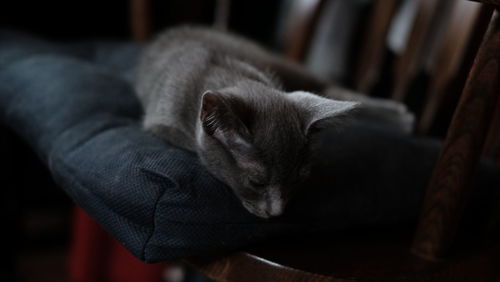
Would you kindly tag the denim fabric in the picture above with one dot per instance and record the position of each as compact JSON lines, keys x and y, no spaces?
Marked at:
{"x":74,"y":104}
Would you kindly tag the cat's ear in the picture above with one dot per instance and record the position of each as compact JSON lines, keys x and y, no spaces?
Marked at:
{"x":320,"y":111}
{"x":219,"y":116}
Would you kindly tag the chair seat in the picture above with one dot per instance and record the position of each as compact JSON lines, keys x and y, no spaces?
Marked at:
{"x":362,"y":255}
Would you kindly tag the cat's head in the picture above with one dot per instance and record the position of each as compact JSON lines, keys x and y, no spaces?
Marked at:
{"x":259,"y":142}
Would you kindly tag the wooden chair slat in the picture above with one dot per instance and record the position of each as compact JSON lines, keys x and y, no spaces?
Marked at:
{"x":140,"y":19}
{"x":222,"y":14}
{"x":372,"y":48}
{"x":457,"y":33}
{"x":407,"y":63}
{"x":303,"y":18}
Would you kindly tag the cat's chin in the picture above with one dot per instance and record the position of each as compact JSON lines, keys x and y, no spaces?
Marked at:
{"x":257,"y":212}
{"x":260,"y":210}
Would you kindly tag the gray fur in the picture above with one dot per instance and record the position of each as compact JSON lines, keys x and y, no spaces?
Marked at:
{"x":242,"y":110}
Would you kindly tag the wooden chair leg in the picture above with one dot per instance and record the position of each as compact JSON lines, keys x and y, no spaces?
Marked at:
{"x":446,"y":193}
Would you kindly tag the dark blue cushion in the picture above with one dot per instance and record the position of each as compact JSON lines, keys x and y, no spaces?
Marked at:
{"x":74,"y":104}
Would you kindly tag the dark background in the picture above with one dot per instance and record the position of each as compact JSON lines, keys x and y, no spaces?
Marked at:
{"x":74,"y":20}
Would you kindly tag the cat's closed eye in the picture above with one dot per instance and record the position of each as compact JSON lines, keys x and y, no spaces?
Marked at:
{"x":256,"y":183}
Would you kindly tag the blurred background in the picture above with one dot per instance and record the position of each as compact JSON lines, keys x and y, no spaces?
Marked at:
{"x":414,"y":51}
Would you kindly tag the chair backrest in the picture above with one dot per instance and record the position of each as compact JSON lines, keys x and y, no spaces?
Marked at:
{"x":438,"y":40}
{"x":441,"y":41}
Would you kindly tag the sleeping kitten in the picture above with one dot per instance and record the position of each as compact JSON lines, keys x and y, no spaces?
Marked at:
{"x":244,"y":111}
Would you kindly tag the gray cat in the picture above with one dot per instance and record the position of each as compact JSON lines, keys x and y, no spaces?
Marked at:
{"x":247,"y":113}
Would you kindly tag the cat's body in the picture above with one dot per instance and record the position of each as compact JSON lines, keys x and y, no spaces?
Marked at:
{"x":243,"y":110}
{"x":178,"y":68}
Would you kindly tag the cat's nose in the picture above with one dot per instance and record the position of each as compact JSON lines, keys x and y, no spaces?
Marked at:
{"x":274,"y":202}
{"x":275,"y":208}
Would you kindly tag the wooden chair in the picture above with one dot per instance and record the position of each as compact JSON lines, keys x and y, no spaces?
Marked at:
{"x":436,"y":251}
